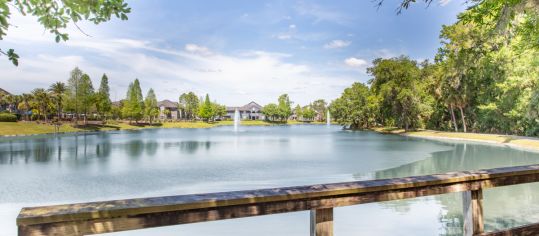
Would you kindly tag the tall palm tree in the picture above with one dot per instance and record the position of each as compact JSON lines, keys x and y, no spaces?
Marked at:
{"x":41,"y":99}
{"x":25,"y":100}
{"x":9,"y":100}
{"x":57,"y":91}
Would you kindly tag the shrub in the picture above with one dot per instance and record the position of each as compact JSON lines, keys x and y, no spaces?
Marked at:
{"x":8,"y":117}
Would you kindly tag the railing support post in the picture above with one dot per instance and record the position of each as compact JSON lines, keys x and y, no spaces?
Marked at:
{"x":472,"y":212}
{"x":322,"y":222}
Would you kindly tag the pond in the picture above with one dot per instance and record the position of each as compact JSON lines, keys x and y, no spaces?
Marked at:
{"x":57,"y":169}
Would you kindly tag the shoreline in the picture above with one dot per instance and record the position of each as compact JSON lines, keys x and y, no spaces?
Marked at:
{"x":512,"y":141}
{"x":13,"y":129}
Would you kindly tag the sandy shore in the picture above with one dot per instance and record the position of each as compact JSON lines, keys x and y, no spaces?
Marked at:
{"x":513,"y":141}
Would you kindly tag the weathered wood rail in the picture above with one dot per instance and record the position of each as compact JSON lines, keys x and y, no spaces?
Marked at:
{"x":131,"y":214}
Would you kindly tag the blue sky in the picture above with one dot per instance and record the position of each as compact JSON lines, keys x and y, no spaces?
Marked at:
{"x":236,"y":51}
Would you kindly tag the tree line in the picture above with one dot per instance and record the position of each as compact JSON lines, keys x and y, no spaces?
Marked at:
{"x":77,"y":100}
{"x":193,"y":107}
{"x":190,"y":107}
{"x":282,"y":110}
{"x":483,"y":79}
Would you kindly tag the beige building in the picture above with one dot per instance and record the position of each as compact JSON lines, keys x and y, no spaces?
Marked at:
{"x":250,"y":111}
{"x":168,"y":110}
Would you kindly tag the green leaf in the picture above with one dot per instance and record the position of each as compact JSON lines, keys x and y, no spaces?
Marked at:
{"x":13,"y":57}
{"x":55,"y":15}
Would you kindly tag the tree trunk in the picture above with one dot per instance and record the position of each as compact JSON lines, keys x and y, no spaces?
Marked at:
{"x":44,"y":114}
{"x":453,"y":118}
{"x":463,"y":120}
{"x":406,"y":125}
{"x":59,"y":111}
{"x":26,"y":112}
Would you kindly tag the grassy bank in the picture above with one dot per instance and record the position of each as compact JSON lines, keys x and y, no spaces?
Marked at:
{"x":530,"y":143}
{"x":29,"y":128}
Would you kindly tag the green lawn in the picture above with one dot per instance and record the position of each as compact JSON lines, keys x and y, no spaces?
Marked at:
{"x":27,"y":128}
{"x":24,"y":128}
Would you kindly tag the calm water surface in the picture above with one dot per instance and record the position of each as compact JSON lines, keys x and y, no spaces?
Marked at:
{"x":51,"y":169}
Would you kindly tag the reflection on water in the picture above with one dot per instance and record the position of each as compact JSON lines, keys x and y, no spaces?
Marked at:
{"x":503,"y":207}
{"x":82,"y":147}
{"x":53,"y":169}
{"x":189,"y":146}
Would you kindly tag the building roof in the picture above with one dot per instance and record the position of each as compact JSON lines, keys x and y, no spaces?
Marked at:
{"x":167,"y":104}
{"x":247,"y":107}
{"x":4,"y":92}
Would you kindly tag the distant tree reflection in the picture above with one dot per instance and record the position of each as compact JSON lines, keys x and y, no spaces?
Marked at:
{"x":502,"y":206}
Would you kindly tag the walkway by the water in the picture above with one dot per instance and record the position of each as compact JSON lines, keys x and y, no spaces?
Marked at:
{"x":514,"y":141}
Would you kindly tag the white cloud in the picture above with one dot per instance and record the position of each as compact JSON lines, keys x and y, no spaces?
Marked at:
{"x":284,"y":36}
{"x":320,"y":13}
{"x":292,"y":26}
{"x":229,"y":78}
{"x":355,"y":62}
{"x":444,"y":2}
{"x":233,"y":79}
{"x":193,"y":48}
{"x":337,"y":44}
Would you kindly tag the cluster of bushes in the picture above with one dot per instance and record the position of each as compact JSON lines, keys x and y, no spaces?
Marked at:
{"x":7,"y":117}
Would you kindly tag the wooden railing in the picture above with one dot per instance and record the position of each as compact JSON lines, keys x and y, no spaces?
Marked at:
{"x":131,"y":214}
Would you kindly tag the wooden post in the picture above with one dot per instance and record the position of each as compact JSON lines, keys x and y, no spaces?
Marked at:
{"x":472,"y":212}
{"x":322,"y":222}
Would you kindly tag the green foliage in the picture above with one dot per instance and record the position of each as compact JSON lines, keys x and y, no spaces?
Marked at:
{"x":353,"y":108}
{"x":285,"y":109}
{"x":116,"y":112}
{"x":485,"y":77}
{"x":297,"y":111}
{"x":189,"y":103}
{"x":395,"y":85}
{"x":11,"y":55}
{"x":218,"y":110}
{"x":150,"y":106}
{"x":57,"y":91}
{"x":133,"y":108}
{"x":87,"y":94}
{"x":280,"y":111}
{"x":103,"y":104}
{"x":55,"y":15}
{"x":206,"y":109}
{"x":308,"y":113}
{"x":210,"y":110}
{"x":10,"y":101}
{"x":41,"y":102}
{"x":271,"y":112}
{"x":24,"y":105}
{"x":80,"y":95}
{"x":7,"y":117}
{"x":320,"y":107}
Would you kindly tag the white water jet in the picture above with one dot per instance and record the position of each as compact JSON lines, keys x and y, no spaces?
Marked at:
{"x":236,"y":120}
{"x":328,"y":119}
